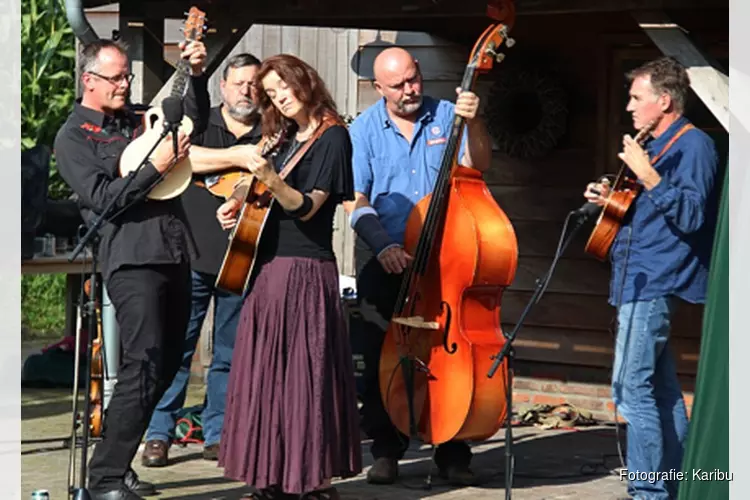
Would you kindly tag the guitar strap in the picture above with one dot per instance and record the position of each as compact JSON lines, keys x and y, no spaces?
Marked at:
{"x":325,"y":125}
{"x":266,"y":198}
{"x":684,"y":129}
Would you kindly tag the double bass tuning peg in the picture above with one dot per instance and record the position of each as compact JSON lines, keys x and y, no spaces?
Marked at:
{"x":510,"y":42}
{"x":499,"y":56}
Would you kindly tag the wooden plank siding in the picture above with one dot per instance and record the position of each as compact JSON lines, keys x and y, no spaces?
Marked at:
{"x":570,"y":326}
{"x":328,"y":50}
{"x":573,"y":323}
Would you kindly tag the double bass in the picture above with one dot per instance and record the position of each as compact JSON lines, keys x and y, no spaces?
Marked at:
{"x":446,"y":326}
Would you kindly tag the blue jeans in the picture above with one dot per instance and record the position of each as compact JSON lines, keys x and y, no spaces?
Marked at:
{"x":647,"y":394}
{"x":226,"y":315}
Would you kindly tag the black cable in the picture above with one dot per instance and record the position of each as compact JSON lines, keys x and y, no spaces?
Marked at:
{"x":585,"y":469}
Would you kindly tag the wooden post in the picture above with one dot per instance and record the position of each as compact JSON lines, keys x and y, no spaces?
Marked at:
{"x":707,"y":78}
{"x":145,"y":39}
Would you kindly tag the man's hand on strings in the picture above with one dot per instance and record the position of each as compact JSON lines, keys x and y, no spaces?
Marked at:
{"x":597,"y":192}
{"x":195,"y":53}
{"x":226,"y":214}
{"x":164,"y":153}
{"x":467,"y":104}
{"x":637,"y":159}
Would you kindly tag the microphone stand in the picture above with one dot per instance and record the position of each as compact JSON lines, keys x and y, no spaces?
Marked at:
{"x":580,"y":216}
{"x":92,"y":238}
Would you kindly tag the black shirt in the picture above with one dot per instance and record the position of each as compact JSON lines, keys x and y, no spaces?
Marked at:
{"x":88,"y":148}
{"x":200,"y":204}
{"x":326,"y":166}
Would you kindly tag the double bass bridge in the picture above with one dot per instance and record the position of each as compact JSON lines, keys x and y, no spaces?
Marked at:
{"x":420,"y":323}
{"x":417,"y":322}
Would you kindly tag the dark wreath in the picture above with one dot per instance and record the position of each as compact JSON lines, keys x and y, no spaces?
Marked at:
{"x":526,"y":112}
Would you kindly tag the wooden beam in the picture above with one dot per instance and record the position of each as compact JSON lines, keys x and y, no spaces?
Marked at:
{"x":556,"y":7}
{"x":144,"y":36}
{"x":709,"y":81}
{"x":218,"y":45}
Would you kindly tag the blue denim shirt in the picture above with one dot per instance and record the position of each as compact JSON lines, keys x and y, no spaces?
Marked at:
{"x":665,"y":243}
{"x":391,"y":172}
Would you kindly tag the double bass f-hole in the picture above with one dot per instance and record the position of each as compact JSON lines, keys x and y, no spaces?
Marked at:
{"x":446,"y":309}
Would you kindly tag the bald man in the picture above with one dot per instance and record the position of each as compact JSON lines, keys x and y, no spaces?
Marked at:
{"x":398,"y":145}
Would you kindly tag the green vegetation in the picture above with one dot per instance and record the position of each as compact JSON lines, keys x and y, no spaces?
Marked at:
{"x":43,"y":305}
{"x":47,"y":96}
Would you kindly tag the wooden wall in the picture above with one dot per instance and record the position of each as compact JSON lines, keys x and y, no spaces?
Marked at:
{"x":570,"y":324}
{"x":569,"y":330}
{"x":329,"y":51}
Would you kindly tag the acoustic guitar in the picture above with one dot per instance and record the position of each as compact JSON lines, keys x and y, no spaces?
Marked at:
{"x":624,"y":190}
{"x":176,"y":180}
{"x":223,"y":184}
{"x":620,"y":198}
{"x":244,"y":239}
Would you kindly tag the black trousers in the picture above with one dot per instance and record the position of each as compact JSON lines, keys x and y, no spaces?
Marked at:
{"x":152,"y":305}
{"x":377,"y":292}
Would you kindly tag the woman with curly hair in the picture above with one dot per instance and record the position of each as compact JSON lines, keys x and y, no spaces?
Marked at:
{"x":291,"y":417}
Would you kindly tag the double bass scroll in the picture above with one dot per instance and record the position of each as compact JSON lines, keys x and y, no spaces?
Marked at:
{"x":446,"y":325}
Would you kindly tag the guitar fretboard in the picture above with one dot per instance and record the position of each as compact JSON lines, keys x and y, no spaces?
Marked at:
{"x":179,"y":86}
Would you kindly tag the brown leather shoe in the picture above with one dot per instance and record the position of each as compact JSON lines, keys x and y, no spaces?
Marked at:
{"x":383,"y":471}
{"x":211,"y":452}
{"x":155,"y":453}
{"x":458,"y":475}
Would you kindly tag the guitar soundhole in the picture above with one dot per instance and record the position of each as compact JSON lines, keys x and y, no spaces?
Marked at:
{"x":152,"y":119}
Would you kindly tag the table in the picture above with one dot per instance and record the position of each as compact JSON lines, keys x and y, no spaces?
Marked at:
{"x":41,"y":264}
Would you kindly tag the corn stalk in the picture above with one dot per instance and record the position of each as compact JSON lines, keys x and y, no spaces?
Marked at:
{"x":47,"y":77}
{"x":47,"y":96}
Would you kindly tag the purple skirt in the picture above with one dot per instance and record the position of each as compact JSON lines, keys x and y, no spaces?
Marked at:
{"x":291,"y":416}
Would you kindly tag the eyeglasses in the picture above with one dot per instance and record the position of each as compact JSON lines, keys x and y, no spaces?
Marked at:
{"x":115,"y":80}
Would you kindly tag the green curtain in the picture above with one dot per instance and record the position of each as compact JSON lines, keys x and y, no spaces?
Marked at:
{"x":707,"y":446}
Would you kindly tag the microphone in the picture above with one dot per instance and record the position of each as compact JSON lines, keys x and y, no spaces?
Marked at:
{"x":173,"y":113}
{"x":587,"y":210}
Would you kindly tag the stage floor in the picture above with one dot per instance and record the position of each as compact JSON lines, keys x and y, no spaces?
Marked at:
{"x":550,"y":464}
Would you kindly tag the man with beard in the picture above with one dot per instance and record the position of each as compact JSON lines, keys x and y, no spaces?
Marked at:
{"x":398,"y":144}
{"x":233,"y":126}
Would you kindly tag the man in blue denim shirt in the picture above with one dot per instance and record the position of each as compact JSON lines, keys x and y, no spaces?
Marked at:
{"x":398,"y":144}
{"x":661,"y":253}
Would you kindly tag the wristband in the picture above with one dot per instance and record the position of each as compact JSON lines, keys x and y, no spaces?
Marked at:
{"x":303,"y":209}
{"x":367,"y":225}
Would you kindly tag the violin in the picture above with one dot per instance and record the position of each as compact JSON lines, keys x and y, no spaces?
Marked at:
{"x":446,"y":326}
{"x":96,"y":374}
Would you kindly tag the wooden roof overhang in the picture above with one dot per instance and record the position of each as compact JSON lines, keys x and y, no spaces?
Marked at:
{"x":390,"y":14}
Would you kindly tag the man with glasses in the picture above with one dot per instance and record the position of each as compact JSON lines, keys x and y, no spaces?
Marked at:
{"x":233,"y":126}
{"x":144,"y":250}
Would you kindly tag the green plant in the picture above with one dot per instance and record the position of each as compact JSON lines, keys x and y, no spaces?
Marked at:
{"x":43,"y":305}
{"x":47,"y":97}
{"x":47,"y":78}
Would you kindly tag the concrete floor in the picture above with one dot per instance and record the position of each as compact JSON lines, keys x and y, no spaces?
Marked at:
{"x":551,"y":464}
